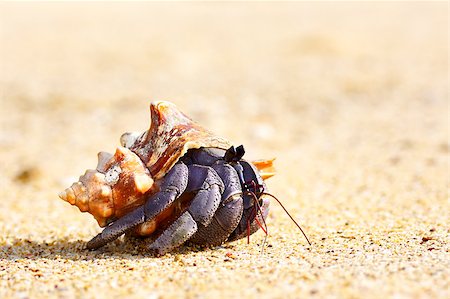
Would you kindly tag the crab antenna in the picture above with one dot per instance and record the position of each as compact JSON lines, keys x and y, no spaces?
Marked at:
{"x":253,"y":214}
{"x":268,"y":194}
{"x":248,"y":231}
{"x":258,"y":207}
{"x":259,"y":224}
{"x":256,"y":210}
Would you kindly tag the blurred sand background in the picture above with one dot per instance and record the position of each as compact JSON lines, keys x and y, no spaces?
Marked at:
{"x":352,"y":99}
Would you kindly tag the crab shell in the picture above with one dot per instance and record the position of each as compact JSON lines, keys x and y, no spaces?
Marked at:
{"x":123,"y":181}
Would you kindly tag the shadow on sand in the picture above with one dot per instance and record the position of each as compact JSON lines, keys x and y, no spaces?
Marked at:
{"x":76,"y":250}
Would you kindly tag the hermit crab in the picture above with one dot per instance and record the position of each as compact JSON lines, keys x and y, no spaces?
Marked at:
{"x":174,"y":183}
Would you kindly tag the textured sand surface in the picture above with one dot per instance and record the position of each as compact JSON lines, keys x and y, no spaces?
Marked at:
{"x":352,"y":99}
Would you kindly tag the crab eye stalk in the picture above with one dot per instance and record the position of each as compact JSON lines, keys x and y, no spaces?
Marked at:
{"x":234,"y":154}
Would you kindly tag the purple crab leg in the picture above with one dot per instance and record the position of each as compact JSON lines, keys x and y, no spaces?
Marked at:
{"x":228,"y":214}
{"x":172,"y":187}
{"x":117,"y":228}
{"x":208,"y":186}
{"x":175,"y":235}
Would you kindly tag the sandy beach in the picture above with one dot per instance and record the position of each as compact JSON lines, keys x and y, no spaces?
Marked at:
{"x":352,"y":100}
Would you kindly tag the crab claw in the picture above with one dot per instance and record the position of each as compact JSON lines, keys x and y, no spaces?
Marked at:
{"x":118,"y":185}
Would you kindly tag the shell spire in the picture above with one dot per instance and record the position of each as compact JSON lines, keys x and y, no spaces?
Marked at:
{"x":170,"y":136}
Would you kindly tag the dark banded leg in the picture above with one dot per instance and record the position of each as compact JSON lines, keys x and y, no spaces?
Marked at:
{"x":227,"y":215}
{"x":175,"y":235}
{"x":172,"y":187}
{"x":207,"y":185}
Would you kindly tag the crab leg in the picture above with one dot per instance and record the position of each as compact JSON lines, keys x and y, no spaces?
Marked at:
{"x":175,"y":235}
{"x":172,"y":187}
{"x":208,"y":186}
{"x":228,"y":214}
{"x":117,"y":228}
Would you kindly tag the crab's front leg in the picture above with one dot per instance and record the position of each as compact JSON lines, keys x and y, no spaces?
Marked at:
{"x":172,"y":187}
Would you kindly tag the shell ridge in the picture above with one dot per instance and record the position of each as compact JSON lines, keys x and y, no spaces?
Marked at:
{"x":170,"y":136}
